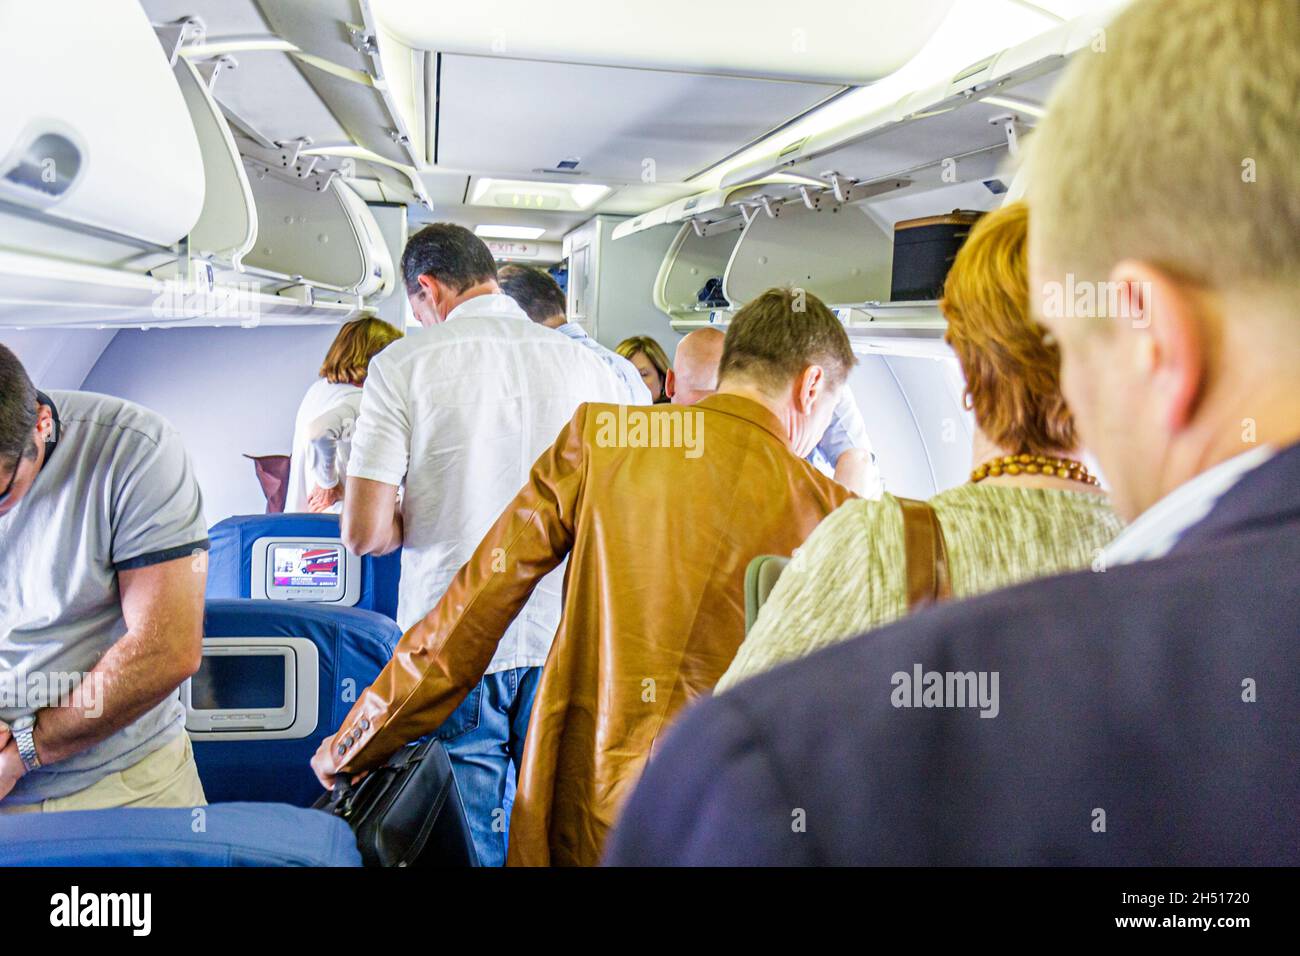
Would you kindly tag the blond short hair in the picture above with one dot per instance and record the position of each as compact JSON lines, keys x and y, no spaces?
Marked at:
{"x":1174,"y":141}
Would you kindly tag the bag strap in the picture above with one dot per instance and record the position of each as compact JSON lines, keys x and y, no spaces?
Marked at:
{"x":926,"y":555}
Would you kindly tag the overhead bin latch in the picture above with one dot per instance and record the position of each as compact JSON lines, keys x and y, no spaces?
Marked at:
{"x":1013,"y":126}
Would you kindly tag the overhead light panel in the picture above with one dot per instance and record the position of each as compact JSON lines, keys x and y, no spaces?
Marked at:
{"x":523,"y":194}
{"x":510,"y":232}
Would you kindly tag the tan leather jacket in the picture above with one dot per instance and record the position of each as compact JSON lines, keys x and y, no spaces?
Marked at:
{"x":658,"y":539}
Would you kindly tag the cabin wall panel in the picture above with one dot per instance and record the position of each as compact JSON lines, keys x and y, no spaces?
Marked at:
{"x":57,"y":358}
{"x":228,"y":392}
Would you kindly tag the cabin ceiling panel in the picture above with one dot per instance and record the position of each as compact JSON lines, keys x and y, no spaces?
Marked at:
{"x":857,"y":42}
{"x":622,"y":124}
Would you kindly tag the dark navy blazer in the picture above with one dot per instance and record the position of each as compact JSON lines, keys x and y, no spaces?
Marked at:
{"x":1148,"y":714}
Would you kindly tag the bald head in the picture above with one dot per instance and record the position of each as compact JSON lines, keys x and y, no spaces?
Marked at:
{"x":694,"y":374}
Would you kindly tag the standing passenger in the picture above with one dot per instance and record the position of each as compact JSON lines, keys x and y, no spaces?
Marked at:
{"x":458,"y":411}
{"x":650,"y":360}
{"x":844,"y":451}
{"x":661,"y":510}
{"x":322,"y":431}
{"x":100,"y":589}
{"x":694,"y":374}
{"x":542,"y":298}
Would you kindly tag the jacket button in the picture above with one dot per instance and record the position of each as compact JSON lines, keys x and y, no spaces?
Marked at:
{"x":348,"y":741}
{"x":342,"y":750}
{"x":365,"y":724}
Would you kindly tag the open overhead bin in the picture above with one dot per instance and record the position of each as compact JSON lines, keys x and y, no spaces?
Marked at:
{"x":981,"y":109}
{"x":149,"y":216}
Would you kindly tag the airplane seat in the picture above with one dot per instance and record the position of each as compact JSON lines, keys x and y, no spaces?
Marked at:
{"x":270,"y":557}
{"x":277,"y":679}
{"x":231,"y":834}
{"x":760,"y":578}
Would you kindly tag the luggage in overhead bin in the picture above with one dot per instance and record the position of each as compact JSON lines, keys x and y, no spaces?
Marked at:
{"x":924,"y":250}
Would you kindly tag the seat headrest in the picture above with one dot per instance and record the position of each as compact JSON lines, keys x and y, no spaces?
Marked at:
{"x":230,"y":834}
{"x":230,"y":560}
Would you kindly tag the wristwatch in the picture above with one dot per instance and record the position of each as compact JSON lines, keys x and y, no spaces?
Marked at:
{"x":23,"y":730}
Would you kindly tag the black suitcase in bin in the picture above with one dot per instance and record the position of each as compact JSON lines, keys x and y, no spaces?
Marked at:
{"x":924,"y":250}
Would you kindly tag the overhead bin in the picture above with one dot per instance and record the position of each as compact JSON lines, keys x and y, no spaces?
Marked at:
{"x":108,"y":146}
{"x":680,"y":35}
{"x":316,"y":230}
{"x":983,"y":107}
{"x":227,"y":226}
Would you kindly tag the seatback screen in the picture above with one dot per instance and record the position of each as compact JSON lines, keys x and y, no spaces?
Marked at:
{"x":239,"y":682}
{"x":294,"y":566}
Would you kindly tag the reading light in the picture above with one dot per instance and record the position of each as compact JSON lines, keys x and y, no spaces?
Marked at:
{"x":509,"y":232}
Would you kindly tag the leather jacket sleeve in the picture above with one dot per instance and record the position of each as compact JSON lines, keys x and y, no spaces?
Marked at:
{"x":440,"y":659}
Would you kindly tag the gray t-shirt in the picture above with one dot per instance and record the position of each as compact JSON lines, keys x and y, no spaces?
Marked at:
{"x":117,"y":492}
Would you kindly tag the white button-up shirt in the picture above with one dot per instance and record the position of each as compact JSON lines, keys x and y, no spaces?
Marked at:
{"x":1155,"y":531}
{"x":460,"y":411}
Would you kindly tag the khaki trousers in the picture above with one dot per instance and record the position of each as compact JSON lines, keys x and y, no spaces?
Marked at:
{"x":167,"y":777}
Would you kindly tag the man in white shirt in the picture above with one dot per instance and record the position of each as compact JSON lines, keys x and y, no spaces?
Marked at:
{"x":458,"y":412}
{"x":542,"y":298}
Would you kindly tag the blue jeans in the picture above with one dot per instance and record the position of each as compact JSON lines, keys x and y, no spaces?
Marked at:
{"x":484,"y":737}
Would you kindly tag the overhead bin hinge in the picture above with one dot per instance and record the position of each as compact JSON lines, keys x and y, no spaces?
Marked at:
{"x":285,"y":155}
{"x":302,"y":174}
{"x":214,"y":68}
{"x":748,"y":211}
{"x":811,"y":200}
{"x":177,"y":34}
{"x":847,"y":190}
{"x":363,"y":41}
{"x":1013,"y":126}
{"x":772,"y":209}
{"x":699,"y":228}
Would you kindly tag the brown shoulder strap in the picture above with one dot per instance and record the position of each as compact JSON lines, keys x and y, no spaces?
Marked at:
{"x":926,"y":555}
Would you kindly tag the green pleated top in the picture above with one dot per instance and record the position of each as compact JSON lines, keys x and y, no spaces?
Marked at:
{"x":849,"y":576}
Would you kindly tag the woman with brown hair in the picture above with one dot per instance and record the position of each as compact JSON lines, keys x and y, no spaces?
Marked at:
{"x":322,"y":431}
{"x":1030,"y":509}
{"x":651,"y":361}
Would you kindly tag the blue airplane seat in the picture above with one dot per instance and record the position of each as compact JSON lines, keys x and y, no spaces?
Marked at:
{"x":231,"y":560}
{"x":229,"y":834}
{"x":351,"y":647}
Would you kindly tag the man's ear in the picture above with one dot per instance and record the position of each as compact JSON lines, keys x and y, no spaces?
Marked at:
{"x":433,"y":291}
{"x":45,"y":423}
{"x":1169,"y":317}
{"x":670,"y":383}
{"x":808,"y":386}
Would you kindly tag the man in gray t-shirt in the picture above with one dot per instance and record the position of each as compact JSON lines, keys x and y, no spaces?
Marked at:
{"x":102,"y":572}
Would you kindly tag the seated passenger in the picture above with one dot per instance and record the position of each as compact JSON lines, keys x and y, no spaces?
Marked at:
{"x":659,"y":511}
{"x":650,"y":360}
{"x":322,"y":431}
{"x":1011,"y":522}
{"x":1147,"y":715}
{"x":101,"y":601}
{"x":694,"y":374}
{"x":542,"y":298}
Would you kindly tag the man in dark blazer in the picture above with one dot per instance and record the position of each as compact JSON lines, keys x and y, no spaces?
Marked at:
{"x":1145,"y":712}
